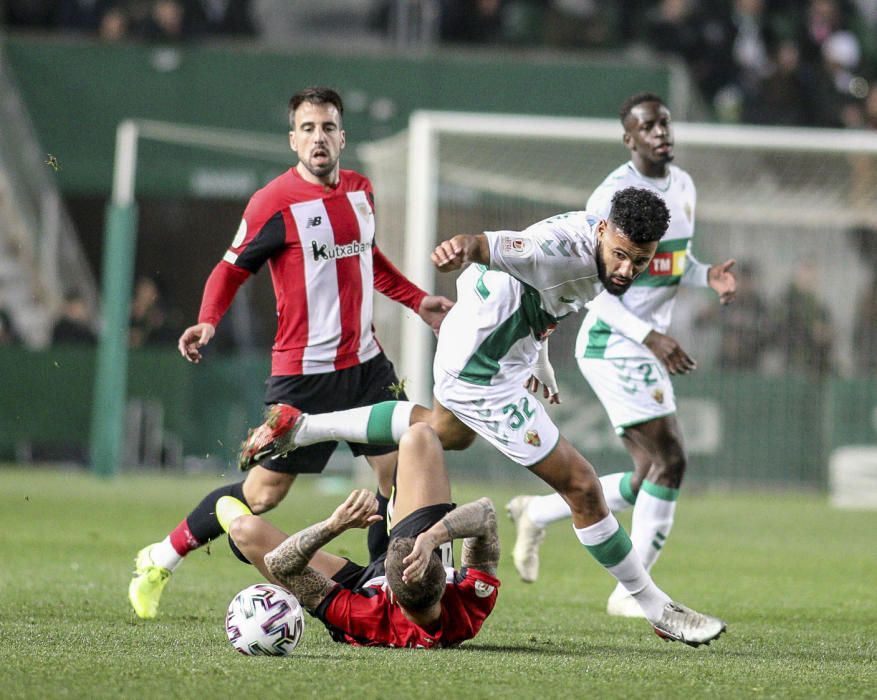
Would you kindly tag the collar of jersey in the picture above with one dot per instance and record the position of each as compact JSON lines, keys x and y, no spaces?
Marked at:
{"x":662,"y":183}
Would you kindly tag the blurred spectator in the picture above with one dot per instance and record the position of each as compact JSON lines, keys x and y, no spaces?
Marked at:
{"x":673,"y":27}
{"x":114,"y":24}
{"x":744,"y":324}
{"x":470,"y":21}
{"x":165,"y":20}
{"x":823,"y":18}
{"x":220,"y":18}
{"x":752,"y":40}
{"x":74,"y":324}
{"x":149,"y":319}
{"x":803,"y":324}
{"x":785,"y":96}
{"x":581,"y":23}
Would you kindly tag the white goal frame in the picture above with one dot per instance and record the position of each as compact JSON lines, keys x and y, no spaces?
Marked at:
{"x":427,"y":127}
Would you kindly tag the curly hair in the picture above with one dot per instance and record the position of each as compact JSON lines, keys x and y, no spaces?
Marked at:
{"x":634,"y":100}
{"x":640,"y":214}
{"x":422,"y":594}
{"x":315,"y":95}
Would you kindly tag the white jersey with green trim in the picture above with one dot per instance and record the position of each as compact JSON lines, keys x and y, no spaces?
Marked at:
{"x":536,"y":276}
{"x":652,"y":295}
{"x":555,"y":256}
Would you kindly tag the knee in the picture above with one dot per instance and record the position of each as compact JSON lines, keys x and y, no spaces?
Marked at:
{"x":265,"y":499}
{"x":669,"y":468}
{"x":243,"y":531}
{"x":453,"y":436}
{"x":583,"y":494}
{"x":418,"y":436}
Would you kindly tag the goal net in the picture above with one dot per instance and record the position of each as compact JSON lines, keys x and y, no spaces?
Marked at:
{"x":796,"y":207}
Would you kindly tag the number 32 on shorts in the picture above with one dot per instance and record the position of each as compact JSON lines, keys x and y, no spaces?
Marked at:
{"x":519,"y":413}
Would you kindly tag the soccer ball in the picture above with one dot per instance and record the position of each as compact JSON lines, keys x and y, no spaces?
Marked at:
{"x":264,"y":620}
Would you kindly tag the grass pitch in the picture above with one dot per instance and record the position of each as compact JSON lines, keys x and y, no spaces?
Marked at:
{"x":796,"y":580}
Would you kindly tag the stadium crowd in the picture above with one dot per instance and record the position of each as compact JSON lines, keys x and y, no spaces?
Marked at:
{"x":783,"y":62}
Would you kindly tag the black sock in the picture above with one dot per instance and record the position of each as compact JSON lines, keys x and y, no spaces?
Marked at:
{"x":378,"y":539}
{"x":202,"y":520}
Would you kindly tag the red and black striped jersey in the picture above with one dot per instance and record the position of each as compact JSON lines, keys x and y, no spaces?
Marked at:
{"x":319,"y":243}
{"x":368,"y":617}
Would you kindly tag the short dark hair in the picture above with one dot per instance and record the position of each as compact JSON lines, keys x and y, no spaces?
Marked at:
{"x":637,"y":99}
{"x":413,"y":596}
{"x":315,"y":95}
{"x":640,"y":214}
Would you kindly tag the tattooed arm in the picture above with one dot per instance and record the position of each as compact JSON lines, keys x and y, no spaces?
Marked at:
{"x":476,"y":523}
{"x":288,"y":562}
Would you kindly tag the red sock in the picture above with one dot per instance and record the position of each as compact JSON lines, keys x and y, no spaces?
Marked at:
{"x":182,"y":539}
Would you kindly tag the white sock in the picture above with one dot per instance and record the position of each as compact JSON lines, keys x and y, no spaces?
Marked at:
{"x":652,"y":521}
{"x":617,"y":492}
{"x":544,"y":510}
{"x":382,"y":424}
{"x":163,"y":554}
{"x":609,"y":544}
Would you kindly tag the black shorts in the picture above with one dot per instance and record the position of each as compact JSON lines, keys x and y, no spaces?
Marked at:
{"x":353,"y":576}
{"x":362,"y":385}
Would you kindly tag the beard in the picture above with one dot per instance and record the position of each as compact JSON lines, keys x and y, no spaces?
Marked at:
{"x":610,"y":286}
{"x":322,"y":169}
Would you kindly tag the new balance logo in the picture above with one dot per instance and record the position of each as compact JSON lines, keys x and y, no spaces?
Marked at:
{"x":315,"y":221}
{"x":324,"y":252}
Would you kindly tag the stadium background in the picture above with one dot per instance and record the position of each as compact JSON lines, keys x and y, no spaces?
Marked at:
{"x":777,"y":420}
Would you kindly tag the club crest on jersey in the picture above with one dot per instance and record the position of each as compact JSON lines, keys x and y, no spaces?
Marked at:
{"x":482,"y":589}
{"x":531,"y":437}
{"x":363,"y":209}
{"x":658,"y":395}
{"x":515,"y":246}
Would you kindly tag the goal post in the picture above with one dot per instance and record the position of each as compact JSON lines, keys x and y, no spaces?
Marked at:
{"x":776,"y":199}
{"x":120,"y":236}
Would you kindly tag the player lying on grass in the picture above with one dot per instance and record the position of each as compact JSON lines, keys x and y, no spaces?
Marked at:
{"x":518,"y":286}
{"x":407,"y":598}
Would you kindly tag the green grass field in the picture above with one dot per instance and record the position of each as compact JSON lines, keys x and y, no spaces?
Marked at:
{"x":796,"y":580}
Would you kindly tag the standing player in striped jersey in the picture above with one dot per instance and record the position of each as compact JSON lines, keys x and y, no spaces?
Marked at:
{"x":315,"y":227}
{"x":623,"y":351}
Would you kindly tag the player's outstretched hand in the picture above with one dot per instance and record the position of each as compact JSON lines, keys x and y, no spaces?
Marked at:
{"x":193,"y":339}
{"x":417,"y":562}
{"x":721,"y":279}
{"x":433,"y":310}
{"x":360,"y":509}
{"x":552,"y":393}
{"x":543,"y":374}
{"x":670,"y":353}
{"x":451,"y":254}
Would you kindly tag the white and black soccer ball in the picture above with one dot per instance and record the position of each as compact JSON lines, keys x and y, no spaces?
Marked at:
{"x":264,"y":620}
